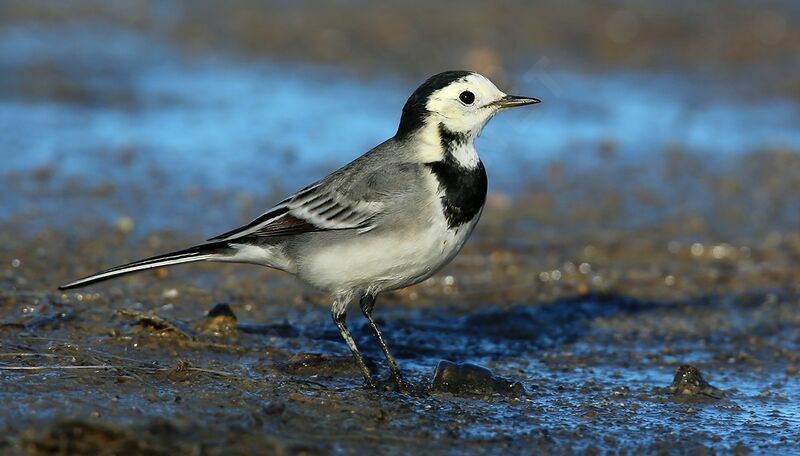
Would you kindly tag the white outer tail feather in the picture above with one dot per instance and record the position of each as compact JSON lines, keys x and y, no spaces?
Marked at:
{"x":214,"y":251}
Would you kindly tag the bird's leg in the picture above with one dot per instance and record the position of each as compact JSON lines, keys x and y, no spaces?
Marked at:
{"x":367,"y":304}
{"x":339,"y":318}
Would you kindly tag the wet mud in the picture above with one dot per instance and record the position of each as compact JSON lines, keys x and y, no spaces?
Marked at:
{"x":221,"y":359}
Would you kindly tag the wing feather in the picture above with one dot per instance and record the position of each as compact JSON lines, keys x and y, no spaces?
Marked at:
{"x":352,"y":198}
{"x":312,"y":209}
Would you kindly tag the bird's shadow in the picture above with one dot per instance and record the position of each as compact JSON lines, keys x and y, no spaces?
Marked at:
{"x":493,"y":332}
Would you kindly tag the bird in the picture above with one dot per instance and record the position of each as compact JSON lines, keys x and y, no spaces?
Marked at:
{"x":389,"y":219}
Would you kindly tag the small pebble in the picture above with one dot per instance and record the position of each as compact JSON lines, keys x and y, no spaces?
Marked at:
{"x":125,"y":224}
{"x":170,"y":293}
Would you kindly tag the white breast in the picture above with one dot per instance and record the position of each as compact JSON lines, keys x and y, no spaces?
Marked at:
{"x":386,"y":259}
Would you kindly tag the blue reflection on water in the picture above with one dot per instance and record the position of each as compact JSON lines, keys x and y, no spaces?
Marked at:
{"x":225,"y":123}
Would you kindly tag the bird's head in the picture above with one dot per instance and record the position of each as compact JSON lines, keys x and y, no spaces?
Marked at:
{"x":460,"y":101}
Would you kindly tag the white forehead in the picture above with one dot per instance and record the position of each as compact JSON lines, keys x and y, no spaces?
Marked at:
{"x":483,"y":89}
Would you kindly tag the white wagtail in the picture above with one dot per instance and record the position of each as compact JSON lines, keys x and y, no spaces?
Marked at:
{"x":389,"y":219}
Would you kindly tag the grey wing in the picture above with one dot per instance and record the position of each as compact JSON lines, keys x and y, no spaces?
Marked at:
{"x":335,"y":204}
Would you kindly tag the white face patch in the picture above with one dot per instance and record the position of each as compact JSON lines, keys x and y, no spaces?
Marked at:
{"x":464,"y":105}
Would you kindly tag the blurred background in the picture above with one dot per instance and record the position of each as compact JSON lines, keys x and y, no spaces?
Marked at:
{"x":654,"y":112}
{"x":662,"y":168}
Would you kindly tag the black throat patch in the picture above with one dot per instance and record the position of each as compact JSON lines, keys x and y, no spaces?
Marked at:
{"x":464,"y":189}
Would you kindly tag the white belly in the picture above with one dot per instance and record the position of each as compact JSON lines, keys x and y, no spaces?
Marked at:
{"x":380,"y":261}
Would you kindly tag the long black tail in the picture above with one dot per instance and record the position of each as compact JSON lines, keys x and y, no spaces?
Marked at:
{"x":211,"y":251}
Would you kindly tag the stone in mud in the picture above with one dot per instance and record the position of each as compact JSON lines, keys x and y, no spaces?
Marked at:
{"x":689,"y":381}
{"x":465,"y":379}
{"x":221,"y":310}
{"x":219,"y":320}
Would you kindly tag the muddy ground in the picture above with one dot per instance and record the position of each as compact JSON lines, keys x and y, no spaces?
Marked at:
{"x":591,"y":310}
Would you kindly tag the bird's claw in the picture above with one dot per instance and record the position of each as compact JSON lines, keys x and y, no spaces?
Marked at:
{"x":393,"y":384}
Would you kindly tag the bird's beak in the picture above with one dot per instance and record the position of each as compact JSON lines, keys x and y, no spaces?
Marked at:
{"x":510,"y":101}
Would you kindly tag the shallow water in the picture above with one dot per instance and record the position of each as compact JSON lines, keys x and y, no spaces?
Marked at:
{"x":135,"y":110}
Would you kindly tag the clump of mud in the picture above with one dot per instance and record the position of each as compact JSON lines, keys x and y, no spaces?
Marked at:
{"x":80,"y":437}
{"x":689,"y":383}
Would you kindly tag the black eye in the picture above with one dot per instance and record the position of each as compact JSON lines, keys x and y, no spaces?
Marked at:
{"x":467,"y":97}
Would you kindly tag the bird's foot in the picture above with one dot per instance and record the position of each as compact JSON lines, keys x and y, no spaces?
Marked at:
{"x":398,"y":385}
{"x":369,"y":383}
